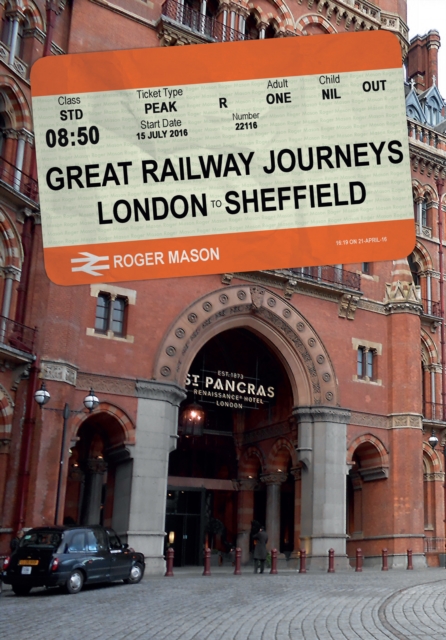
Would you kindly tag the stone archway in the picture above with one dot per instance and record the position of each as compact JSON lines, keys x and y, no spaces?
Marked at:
{"x":264,"y":312}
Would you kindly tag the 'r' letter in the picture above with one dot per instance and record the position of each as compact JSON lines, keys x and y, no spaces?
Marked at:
{"x":223,"y":103}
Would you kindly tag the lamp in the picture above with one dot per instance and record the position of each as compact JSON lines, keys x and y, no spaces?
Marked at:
{"x":192,"y":420}
{"x":433,"y":440}
{"x":42,"y":396}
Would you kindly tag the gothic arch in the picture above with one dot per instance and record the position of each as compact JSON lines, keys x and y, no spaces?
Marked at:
{"x":21,"y":109}
{"x":11,"y":241}
{"x":271,"y":317}
{"x":424,"y":257}
{"x":276,"y":456}
{"x":428,"y":349}
{"x":283,"y":13}
{"x":379,"y":455}
{"x":431,"y":459}
{"x":313,"y":18}
{"x":249,"y":462}
{"x":122,"y":419}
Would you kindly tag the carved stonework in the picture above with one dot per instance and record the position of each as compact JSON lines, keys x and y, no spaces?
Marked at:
{"x":96,"y":465}
{"x":322,"y":414}
{"x":106,"y":384}
{"x":347,"y":306}
{"x":369,"y":420}
{"x":157,"y":390}
{"x":257,"y":295}
{"x":247,"y":484}
{"x":433,"y":477}
{"x":273,"y":478}
{"x":402,"y":297}
{"x":59,"y":371}
{"x":406,"y":421}
{"x":373,"y":473}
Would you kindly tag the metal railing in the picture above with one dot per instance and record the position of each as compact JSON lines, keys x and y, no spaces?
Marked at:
{"x":16,"y":335}
{"x":431,"y":308}
{"x":434,"y":544}
{"x":432,"y":411}
{"x":203,"y":24}
{"x":18,"y":180}
{"x":329,"y":274}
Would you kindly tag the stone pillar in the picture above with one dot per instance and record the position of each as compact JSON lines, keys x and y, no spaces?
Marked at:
{"x":13,"y":39}
{"x":94,"y":479}
{"x":20,"y":154}
{"x":273,"y":482}
{"x":297,"y":474}
{"x":245,"y":514}
{"x":322,"y":451}
{"x":156,"y":431}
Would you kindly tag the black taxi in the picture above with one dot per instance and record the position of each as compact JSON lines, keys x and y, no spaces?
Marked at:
{"x":70,"y":557}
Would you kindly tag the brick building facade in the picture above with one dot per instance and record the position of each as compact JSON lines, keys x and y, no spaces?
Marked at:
{"x":340,"y":366}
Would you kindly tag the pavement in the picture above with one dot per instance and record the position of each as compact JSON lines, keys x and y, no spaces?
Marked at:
{"x":371,"y":605}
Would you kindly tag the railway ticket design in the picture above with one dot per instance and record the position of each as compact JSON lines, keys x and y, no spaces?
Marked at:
{"x":238,"y":156}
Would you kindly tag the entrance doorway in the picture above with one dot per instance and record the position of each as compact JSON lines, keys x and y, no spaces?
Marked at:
{"x":244,"y":390}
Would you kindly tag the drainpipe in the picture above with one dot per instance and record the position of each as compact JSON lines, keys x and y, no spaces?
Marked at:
{"x":27,"y":241}
{"x":25,"y":452}
{"x":440,"y":185}
{"x":51,"y":13}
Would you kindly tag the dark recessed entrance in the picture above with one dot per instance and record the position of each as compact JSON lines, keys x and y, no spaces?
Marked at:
{"x":245,"y":392}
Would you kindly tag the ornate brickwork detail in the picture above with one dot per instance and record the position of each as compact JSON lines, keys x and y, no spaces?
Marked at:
{"x":251,"y":302}
{"x":60,"y":371}
{"x":402,"y":297}
{"x":434,"y":477}
{"x":106,"y":384}
{"x":247,"y":484}
{"x":322,"y":414}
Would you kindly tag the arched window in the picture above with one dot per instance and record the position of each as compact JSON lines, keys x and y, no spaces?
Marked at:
{"x":414,"y":270}
{"x":424,"y":204}
{"x":270,"y":31}
{"x":251,"y":30}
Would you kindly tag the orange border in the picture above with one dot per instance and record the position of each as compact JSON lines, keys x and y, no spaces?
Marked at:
{"x":220,"y":62}
{"x":252,"y":251}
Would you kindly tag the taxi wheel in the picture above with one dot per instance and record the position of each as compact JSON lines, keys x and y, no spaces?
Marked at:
{"x":136,"y":574}
{"x":75,"y":582}
{"x":21,"y":591}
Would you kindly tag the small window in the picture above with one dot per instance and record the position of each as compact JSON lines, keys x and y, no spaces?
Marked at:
{"x":101,"y":541}
{"x":365,"y":363}
{"x":366,"y":268}
{"x":110,"y":314}
{"x":424,"y":211}
{"x":92,"y":544}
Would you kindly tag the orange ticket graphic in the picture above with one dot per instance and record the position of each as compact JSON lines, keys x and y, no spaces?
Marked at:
{"x":268,"y":154}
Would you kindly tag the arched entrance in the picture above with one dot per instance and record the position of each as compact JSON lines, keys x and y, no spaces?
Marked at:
{"x":243,"y":387}
{"x":313,"y":447}
{"x":100,"y":471}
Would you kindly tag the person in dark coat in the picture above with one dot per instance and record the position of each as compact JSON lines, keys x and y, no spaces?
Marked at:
{"x":16,"y":541}
{"x":260,"y":550}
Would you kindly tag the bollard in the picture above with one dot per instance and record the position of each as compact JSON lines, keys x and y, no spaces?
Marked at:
{"x":331,"y":568}
{"x":238,"y":562}
{"x":273,"y":561}
{"x":207,"y":562}
{"x":385,"y":566}
{"x":358,"y":560}
{"x":169,"y":563}
{"x":303,"y":561}
{"x":409,"y":559}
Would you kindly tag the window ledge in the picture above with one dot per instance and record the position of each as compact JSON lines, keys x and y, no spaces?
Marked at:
{"x":378,"y":383}
{"x":110,"y":336}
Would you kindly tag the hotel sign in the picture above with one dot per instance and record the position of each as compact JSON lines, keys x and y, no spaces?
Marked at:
{"x":237,"y":156}
{"x":229,"y":389}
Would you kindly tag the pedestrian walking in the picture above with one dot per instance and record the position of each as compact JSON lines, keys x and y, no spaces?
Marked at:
{"x":260,"y":553}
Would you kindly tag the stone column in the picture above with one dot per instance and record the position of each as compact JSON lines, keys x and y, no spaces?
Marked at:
{"x":273,"y":482}
{"x":94,"y":479}
{"x":13,"y":39}
{"x":322,"y":451}
{"x":245,"y":514}
{"x":156,"y":431}
{"x":297,"y":474}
